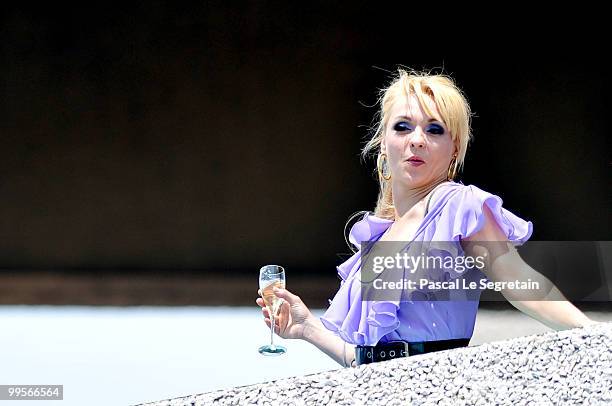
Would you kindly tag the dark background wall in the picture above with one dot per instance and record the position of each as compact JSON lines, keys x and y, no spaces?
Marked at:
{"x":223,"y":137}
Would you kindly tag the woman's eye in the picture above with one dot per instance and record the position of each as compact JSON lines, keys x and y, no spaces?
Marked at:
{"x":435,"y":129}
{"x":402,"y":126}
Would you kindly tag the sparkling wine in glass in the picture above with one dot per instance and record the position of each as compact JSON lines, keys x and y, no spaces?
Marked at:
{"x":271,"y":276}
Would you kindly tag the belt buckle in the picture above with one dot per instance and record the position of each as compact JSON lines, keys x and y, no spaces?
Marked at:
{"x":406,"y":349}
{"x":403,"y":349}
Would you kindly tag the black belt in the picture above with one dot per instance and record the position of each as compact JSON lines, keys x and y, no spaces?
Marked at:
{"x":365,"y":354}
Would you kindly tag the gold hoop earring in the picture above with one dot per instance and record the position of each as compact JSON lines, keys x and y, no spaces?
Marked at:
{"x":383,"y":168}
{"x":452,"y":169}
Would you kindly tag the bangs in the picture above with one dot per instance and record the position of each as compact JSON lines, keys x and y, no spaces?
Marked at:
{"x":427,"y":91}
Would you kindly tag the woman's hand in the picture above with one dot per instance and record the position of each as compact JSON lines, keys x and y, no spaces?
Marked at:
{"x":293,"y":315}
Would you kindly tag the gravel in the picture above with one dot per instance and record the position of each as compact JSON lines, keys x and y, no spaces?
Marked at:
{"x":565,"y":367}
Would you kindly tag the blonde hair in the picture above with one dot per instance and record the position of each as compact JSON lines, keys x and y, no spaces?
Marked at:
{"x":454,"y":112}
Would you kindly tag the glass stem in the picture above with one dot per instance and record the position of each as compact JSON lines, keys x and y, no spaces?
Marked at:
{"x":272,"y":330}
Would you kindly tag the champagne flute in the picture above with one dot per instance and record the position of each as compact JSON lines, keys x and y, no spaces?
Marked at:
{"x":271,"y":276}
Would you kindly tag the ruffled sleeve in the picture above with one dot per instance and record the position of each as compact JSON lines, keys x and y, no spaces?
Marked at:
{"x":464,"y":214}
{"x":459,"y":214}
{"x":368,"y":228}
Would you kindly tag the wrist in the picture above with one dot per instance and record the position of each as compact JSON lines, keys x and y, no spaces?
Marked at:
{"x":312,"y":328}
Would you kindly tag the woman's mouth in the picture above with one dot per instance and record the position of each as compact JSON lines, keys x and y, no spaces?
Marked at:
{"x":415,"y":161}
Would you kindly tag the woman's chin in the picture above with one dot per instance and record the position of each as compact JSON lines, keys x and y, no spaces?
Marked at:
{"x":414,"y":181}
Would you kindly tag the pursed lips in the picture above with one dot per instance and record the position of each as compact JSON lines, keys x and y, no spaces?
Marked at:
{"x":415,"y":159}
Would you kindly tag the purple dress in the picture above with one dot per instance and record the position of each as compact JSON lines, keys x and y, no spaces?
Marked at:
{"x":455,"y":212}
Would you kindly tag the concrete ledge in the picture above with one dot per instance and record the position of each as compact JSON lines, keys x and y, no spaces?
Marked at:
{"x":567,"y":367}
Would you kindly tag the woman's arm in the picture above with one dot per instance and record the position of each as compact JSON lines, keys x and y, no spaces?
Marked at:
{"x":319,"y":336}
{"x":505,"y":264}
{"x":558,"y":315}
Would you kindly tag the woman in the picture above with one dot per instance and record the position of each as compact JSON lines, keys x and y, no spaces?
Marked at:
{"x":421,"y":141}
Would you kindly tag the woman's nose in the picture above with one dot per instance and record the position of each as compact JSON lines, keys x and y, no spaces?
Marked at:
{"x":417,"y":140}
